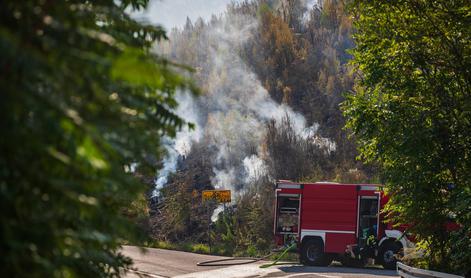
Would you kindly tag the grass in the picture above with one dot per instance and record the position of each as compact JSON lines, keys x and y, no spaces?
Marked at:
{"x":163,"y":245}
{"x":220,"y":250}
{"x":199,"y":248}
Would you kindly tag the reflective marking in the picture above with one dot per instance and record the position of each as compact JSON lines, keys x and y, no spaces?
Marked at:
{"x":288,"y":195}
{"x":328,"y":231}
{"x":289,"y":186}
{"x":369,"y":187}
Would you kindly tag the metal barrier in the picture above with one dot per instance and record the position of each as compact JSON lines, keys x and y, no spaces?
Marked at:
{"x":406,"y":271}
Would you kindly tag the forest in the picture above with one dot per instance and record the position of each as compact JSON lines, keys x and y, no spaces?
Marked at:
{"x":272,"y":76}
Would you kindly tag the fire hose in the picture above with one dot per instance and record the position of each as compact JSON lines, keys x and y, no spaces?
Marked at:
{"x":247,"y":260}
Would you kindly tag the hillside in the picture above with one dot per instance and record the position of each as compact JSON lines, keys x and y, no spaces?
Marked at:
{"x":272,"y":75}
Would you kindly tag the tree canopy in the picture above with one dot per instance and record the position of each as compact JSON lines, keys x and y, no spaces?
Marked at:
{"x":84,"y":103}
{"x":410,"y":112}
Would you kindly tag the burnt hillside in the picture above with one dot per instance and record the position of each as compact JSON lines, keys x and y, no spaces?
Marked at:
{"x":272,"y":75}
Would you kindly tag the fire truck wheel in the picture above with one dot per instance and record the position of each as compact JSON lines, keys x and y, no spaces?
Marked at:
{"x":389,"y":254}
{"x":312,"y":253}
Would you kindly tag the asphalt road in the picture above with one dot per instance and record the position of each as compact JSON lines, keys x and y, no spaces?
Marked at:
{"x":160,"y":263}
{"x":166,"y":263}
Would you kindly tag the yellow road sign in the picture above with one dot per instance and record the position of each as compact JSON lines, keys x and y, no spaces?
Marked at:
{"x":222,"y":196}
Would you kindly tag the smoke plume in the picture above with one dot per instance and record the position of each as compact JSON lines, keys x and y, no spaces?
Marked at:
{"x":231,"y":114}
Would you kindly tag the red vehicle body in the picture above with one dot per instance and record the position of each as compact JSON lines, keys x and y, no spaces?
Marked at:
{"x":336,"y":221}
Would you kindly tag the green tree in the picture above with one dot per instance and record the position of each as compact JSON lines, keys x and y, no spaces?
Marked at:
{"x":410,"y":112}
{"x":83,"y":102}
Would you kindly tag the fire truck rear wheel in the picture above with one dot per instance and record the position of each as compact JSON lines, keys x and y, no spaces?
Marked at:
{"x":389,"y":254}
{"x":312,"y":253}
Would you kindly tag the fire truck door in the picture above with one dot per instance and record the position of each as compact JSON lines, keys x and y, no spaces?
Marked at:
{"x":367,"y":219}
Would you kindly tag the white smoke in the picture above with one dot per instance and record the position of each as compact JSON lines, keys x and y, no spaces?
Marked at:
{"x":181,"y":145}
{"x":216,"y":212}
{"x":238,"y":105}
{"x":223,"y":178}
{"x":231,"y":114}
{"x":311,"y":134}
{"x":255,"y":168}
{"x":309,"y":4}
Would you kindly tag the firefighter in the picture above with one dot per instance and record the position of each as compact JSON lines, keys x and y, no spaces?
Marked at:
{"x":371,"y":244}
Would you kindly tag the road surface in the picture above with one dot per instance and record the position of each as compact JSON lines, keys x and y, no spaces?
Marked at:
{"x":160,"y":263}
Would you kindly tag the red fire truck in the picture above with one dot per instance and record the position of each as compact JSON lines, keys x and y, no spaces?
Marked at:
{"x":330,"y":221}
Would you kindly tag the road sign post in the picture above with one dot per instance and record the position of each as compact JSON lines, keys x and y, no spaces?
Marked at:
{"x":219,"y":196}
{"x":209,"y":227}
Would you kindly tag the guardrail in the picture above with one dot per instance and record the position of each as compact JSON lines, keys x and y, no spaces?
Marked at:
{"x":406,"y":271}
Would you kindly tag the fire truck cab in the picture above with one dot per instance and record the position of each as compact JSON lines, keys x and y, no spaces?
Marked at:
{"x":336,"y":221}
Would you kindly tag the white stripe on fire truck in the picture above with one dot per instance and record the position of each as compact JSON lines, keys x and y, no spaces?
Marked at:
{"x":327,"y":231}
{"x":289,"y":186}
{"x":369,"y":187}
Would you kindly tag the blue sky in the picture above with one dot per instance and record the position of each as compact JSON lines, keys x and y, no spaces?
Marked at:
{"x":173,"y":13}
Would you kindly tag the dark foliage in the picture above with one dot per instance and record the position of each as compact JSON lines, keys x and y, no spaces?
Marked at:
{"x":82,"y":101}
{"x":411,"y":114}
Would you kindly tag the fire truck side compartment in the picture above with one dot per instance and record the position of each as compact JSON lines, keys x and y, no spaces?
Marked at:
{"x":329,"y":211}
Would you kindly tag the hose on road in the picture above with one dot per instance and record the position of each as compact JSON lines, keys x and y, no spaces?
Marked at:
{"x":292,"y":246}
{"x":246,"y":260}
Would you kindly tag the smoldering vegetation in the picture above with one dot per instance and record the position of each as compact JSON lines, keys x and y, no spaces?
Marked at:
{"x":272,"y":75}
